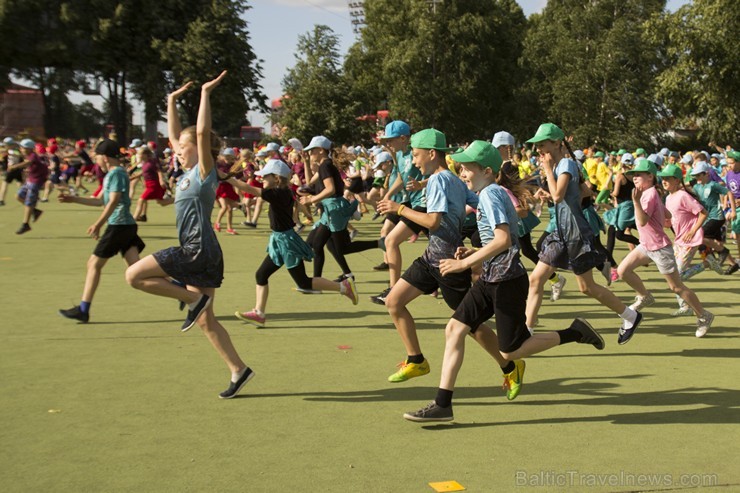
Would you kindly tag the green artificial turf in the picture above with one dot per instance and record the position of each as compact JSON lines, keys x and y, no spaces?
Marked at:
{"x":129,"y":403}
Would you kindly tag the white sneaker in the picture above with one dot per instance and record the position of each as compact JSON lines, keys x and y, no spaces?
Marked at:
{"x":557,"y":288}
{"x":682,"y":310}
{"x":703,"y":323}
{"x":642,"y":302}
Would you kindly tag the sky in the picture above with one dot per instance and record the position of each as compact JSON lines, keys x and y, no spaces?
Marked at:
{"x":274,"y":27}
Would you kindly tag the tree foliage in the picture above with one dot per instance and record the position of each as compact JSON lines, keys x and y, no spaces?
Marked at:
{"x":592,"y":68}
{"x":700,"y":83}
{"x":318,"y":99}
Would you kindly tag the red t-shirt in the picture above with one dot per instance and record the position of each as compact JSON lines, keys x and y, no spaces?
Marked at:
{"x":37,"y":170}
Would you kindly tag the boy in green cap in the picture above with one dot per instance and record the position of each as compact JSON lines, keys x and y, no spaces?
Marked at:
{"x":501,"y":289}
{"x":447,"y":196}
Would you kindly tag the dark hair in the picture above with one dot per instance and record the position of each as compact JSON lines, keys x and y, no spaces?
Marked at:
{"x":508,"y":178}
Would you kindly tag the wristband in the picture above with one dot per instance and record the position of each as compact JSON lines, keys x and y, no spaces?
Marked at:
{"x":400,"y":209}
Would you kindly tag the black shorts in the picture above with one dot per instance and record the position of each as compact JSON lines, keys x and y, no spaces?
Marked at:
{"x":714,"y":229}
{"x":507,"y":300}
{"x":15,"y":175}
{"x":416,"y":228}
{"x":118,"y":239}
{"x":427,"y":279}
{"x":356,"y":185}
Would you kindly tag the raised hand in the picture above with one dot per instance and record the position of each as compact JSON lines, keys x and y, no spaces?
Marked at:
{"x":211,"y":85}
{"x":179,"y":92}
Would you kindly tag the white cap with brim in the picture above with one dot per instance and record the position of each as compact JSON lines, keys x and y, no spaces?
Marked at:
{"x":274,"y":167}
{"x":627,"y":158}
{"x":687,"y":159}
{"x":228,"y":152}
{"x":261,"y":153}
{"x":319,"y":141}
{"x":136,"y":143}
{"x":503,"y":139}
{"x":295,"y":144}
{"x":27,"y":144}
{"x":8,"y":141}
{"x":273,"y":147}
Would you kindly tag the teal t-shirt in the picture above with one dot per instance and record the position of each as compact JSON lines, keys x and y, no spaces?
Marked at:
{"x":709,"y":196}
{"x":407,"y":171}
{"x":117,"y":181}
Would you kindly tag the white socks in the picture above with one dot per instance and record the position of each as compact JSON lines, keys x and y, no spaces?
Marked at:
{"x":629,"y":315}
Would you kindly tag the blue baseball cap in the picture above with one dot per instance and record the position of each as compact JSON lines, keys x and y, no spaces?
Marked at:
{"x":687,"y":158}
{"x":700,"y":167}
{"x":136,"y":143}
{"x":579,"y":155}
{"x":503,"y":139}
{"x":272,"y":147}
{"x":381,"y":158}
{"x":8,"y":141}
{"x":228,"y":152}
{"x":396,"y":128}
{"x":664,"y":151}
{"x":318,"y":141}
{"x":657,"y":159}
{"x":27,"y":144}
{"x":274,"y":167}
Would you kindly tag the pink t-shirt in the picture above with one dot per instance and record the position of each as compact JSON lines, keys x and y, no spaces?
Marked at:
{"x":684,"y":209}
{"x":652,"y":235}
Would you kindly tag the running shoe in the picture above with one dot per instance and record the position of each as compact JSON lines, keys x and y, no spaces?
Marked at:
{"x":557,"y":288}
{"x":353,"y":234}
{"x":231,"y":231}
{"x":732,"y":269}
{"x":342,"y":277}
{"x":714,"y":264}
{"x":375,"y":216}
{"x":409,"y":370}
{"x":385,"y":266}
{"x":195,"y":313}
{"x":249,"y":225}
{"x":75,"y":313}
{"x":235,"y":387}
{"x":430,"y":412}
{"x":23,"y":229}
{"x":350,"y":290}
{"x":682,"y":311}
{"x":703,"y":323}
{"x":588,"y":334}
{"x":217,"y":227}
{"x":380,"y":299}
{"x":513,"y":381}
{"x":142,"y":219}
{"x":251,"y":317}
{"x":37,"y":214}
{"x":642,"y":302}
{"x":626,"y":334}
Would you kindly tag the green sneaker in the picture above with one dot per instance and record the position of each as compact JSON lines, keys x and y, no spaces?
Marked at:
{"x":513,"y":381}
{"x":409,"y":370}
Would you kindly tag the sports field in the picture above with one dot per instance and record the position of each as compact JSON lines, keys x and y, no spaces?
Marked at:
{"x":129,"y":403}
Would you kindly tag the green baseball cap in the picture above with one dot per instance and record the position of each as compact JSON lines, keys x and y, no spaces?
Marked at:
{"x":613,"y":153}
{"x":599,"y":154}
{"x":621,"y":151}
{"x":639,"y":151}
{"x":480,"y":152}
{"x":547,"y":131}
{"x":671,"y":170}
{"x":431,"y":138}
{"x":642,"y":165}
{"x":733,"y":155}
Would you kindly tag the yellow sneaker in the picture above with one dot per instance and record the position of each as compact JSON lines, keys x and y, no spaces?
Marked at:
{"x":513,"y":381}
{"x":409,"y":370}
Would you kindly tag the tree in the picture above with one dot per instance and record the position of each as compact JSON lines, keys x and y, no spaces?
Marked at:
{"x":318,"y":98}
{"x":700,"y":83}
{"x":216,"y":40}
{"x":592,"y":68}
{"x":451,"y":65}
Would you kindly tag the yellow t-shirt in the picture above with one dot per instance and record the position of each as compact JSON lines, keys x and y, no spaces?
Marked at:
{"x":525,"y":169}
{"x":602,"y":176}
{"x":590,"y":166}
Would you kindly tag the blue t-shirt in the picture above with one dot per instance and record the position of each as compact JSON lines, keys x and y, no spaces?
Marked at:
{"x":495,"y":208}
{"x":193,"y":206}
{"x":447,"y":194}
{"x":117,"y":181}
{"x":407,"y":171}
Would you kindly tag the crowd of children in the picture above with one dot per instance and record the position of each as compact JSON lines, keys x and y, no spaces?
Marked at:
{"x":491,"y":194}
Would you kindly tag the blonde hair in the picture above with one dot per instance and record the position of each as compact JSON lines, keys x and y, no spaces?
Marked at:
{"x":215,"y":140}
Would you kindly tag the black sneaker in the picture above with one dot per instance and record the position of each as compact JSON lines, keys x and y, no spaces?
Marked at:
{"x":343,"y":277}
{"x":732,"y":269}
{"x":193,"y":315}
{"x":143,"y":218}
{"x":249,"y":225}
{"x":23,"y":229}
{"x":375,"y":216}
{"x":37,"y":214}
{"x":235,"y":387}
{"x":76,"y":314}
{"x":380,"y":299}
{"x":381,"y":266}
{"x":2,"y":203}
{"x":626,"y":334}
{"x":430,"y":412}
{"x":588,"y":334}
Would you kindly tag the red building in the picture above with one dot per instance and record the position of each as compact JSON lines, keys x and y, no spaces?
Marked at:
{"x":21,"y":112}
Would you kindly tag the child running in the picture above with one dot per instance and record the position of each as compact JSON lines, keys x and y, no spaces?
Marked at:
{"x":284,"y":247}
{"x":655,"y":246}
{"x":121,"y":235}
{"x":571,"y":245}
{"x":501,"y":290}
{"x":28,"y":194}
{"x":198,"y":261}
